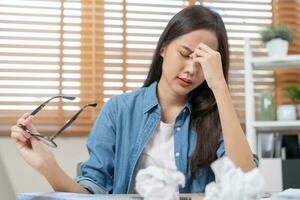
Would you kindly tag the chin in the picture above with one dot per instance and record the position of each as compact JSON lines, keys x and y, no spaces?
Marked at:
{"x":182,"y":91}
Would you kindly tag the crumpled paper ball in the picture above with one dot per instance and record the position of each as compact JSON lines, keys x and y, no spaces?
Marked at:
{"x":232,"y":183}
{"x":155,"y":183}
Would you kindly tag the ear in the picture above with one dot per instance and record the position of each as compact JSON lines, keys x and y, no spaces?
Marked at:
{"x":162,"y":51}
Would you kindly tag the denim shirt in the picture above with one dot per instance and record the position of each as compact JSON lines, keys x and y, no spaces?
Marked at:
{"x":125,"y":125}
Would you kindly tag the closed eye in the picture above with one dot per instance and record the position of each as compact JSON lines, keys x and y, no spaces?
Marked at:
{"x":184,"y":55}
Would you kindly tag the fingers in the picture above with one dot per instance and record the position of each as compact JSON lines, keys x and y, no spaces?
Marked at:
{"x":22,"y":118}
{"x":36,"y":144}
{"x":205,"y":48}
{"x":28,"y":121}
{"x":19,"y":135}
{"x":203,"y":52}
{"x":199,"y":60}
{"x":199,"y":53}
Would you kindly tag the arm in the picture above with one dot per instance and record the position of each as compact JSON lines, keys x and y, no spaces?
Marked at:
{"x":236,"y":145}
{"x":38,"y":155}
{"x":97,"y":171}
{"x":60,"y":181}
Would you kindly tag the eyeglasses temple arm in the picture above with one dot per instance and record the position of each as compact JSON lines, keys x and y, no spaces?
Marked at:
{"x":70,"y":121}
{"x":45,"y":103}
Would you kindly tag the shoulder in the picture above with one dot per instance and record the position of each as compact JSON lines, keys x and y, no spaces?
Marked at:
{"x":127,"y":99}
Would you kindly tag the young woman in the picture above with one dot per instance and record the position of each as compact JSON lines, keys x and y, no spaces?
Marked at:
{"x":182,"y":118}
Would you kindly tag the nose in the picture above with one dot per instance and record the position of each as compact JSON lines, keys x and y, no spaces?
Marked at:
{"x":190,"y":66}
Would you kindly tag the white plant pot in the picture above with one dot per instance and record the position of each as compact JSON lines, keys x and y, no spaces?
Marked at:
{"x":286,"y":113}
{"x":277,"y":47}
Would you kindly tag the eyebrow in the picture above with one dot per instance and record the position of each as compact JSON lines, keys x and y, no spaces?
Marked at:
{"x":187,"y":48}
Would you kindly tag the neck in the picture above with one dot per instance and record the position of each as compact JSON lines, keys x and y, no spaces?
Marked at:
{"x":168,"y":99}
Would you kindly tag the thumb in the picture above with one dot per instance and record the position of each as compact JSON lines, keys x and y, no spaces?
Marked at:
{"x":28,"y":123}
{"x":25,"y":116}
{"x":28,"y":120}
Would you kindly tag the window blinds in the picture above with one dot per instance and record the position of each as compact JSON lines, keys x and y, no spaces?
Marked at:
{"x":39,"y":58}
{"x":93,"y":49}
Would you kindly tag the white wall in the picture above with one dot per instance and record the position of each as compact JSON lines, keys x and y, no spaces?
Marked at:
{"x":70,"y":151}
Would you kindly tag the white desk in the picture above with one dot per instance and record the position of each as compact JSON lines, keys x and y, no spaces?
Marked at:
{"x":75,"y":196}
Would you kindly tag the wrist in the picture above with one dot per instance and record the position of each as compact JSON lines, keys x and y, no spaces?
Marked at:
{"x":49,"y":168}
{"x":221,"y":86}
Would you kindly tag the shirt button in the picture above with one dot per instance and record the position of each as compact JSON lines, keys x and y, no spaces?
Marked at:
{"x":178,"y":129}
{"x":177,"y":154}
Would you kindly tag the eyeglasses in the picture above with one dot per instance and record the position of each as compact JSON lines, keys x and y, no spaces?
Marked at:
{"x":49,"y":140}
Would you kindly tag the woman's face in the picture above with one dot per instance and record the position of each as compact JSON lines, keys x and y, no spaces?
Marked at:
{"x":180,"y":75}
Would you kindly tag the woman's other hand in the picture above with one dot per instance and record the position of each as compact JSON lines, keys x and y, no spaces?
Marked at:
{"x":34,"y":152}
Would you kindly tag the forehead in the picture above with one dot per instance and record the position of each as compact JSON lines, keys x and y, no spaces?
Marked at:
{"x":193,"y":38}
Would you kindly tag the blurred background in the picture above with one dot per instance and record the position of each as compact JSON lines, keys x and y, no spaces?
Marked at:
{"x":93,"y":49}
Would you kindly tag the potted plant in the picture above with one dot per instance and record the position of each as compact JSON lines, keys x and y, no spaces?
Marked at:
{"x":277,"y":38}
{"x":293,"y":93}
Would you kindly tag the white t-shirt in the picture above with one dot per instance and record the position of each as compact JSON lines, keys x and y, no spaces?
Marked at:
{"x":159,"y":151}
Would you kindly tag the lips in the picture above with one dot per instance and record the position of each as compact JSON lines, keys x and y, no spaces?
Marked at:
{"x":186,"y":80}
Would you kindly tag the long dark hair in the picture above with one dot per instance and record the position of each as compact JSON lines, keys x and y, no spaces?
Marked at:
{"x":205,"y":116}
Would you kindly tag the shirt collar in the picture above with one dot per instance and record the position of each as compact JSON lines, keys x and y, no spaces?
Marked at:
{"x":151,"y":98}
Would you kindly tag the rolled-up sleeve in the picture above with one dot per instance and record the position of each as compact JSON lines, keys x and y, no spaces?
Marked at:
{"x":97,"y":172}
{"x":221,"y":152}
{"x":90,"y":185}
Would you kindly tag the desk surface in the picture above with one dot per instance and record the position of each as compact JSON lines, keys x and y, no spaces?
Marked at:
{"x":75,"y":196}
